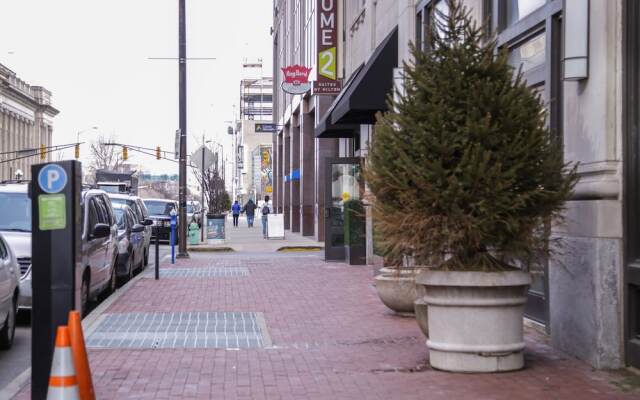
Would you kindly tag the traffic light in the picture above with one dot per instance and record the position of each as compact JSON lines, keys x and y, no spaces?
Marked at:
{"x":158,"y":155}
{"x":77,"y":151}
{"x":125,"y":153}
{"x":42,"y":152}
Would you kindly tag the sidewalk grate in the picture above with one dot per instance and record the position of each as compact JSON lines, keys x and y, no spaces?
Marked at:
{"x":205,"y":272}
{"x":180,"y":330}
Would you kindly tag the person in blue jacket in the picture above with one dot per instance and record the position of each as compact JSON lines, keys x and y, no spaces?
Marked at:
{"x":235,"y":210}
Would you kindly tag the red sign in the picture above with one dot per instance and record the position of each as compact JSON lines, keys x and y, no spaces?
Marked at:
{"x":296,"y":79}
{"x":327,"y":43}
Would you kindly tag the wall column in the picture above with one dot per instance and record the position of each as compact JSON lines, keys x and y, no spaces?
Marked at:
{"x":307,"y":173}
{"x":295,"y":166}
{"x":287,"y":182}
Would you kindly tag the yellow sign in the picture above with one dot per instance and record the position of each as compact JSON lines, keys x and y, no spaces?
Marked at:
{"x":346,"y":196}
{"x":327,"y":60}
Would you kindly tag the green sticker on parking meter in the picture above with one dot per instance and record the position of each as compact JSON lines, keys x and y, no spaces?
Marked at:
{"x":52,"y":212}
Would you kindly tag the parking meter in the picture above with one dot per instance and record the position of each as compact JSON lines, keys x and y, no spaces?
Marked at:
{"x":174,"y":222}
{"x":55,"y":257}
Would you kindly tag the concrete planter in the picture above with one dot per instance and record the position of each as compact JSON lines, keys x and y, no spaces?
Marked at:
{"x":475,"y":319}
{"x":398,"y":292}
{"x":422,"y":315}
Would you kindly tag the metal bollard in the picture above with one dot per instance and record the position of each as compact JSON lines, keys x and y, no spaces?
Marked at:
{"x":157,"y":254}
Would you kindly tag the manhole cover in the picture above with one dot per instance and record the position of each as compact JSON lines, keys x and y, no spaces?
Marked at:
{"x":180,"y":330}
{"x":207,"y":272}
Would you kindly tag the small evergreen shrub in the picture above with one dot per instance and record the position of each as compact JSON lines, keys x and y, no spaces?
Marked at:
{"x":463,"y":169}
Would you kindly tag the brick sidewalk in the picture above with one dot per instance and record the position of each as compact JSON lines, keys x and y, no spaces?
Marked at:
{"x":331,"y":338}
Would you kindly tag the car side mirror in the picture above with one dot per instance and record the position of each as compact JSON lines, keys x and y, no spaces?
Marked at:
{"x":147,"y":222}
{"x":137,"y":228}
{"x":101,"y":231}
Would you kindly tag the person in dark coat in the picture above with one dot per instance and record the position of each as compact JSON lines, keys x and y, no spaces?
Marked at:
{"x":250,"y":209}
{"x":235,"y":210}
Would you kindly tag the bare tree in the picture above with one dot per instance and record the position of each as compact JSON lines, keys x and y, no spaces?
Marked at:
{"x":104,"y":157}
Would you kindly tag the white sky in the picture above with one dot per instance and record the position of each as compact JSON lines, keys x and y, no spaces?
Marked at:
{"x":92,"y":54}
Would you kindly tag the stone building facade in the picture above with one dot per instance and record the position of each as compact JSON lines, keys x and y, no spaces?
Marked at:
{"x":26,"y":123}
{"x":582,"y":56}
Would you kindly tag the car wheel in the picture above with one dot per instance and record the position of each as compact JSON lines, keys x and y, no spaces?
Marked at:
{"x":146,"y":257}
{"x":131,"y":267}
{"x":84,"y":295}
{"x":9,"y":330}
{"x":113,"y":282}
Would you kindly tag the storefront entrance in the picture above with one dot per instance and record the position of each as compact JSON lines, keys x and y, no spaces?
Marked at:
{"x":632,"y":181}
{"x":343,"y":184}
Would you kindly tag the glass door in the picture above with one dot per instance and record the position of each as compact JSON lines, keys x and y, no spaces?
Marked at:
{"x":343,"y":183}
{"x":632,"y":182}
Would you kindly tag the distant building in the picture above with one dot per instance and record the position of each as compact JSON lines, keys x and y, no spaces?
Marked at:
{"x":253,"y":142}
{"x":26,"y":123}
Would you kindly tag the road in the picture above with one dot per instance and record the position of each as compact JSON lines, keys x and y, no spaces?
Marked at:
{"x":17,"y":359}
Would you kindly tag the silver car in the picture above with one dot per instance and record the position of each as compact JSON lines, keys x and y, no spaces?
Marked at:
{"x":9,"y":293}
{"x":15,"y":226}
{"x":140,"y":210}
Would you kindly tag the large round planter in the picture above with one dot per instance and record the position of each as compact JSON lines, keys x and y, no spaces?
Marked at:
{"x":397,"y":292}
{"x":422,"y":315}
{"x":475,"y":319}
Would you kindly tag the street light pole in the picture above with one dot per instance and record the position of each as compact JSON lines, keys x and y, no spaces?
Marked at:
{"x":182,"y":170}
{"x":202,"y":194}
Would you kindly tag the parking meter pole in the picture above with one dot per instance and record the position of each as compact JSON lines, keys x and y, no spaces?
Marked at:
{"x":174,"y":220}
{"x":157,"y":254}
{"x":55,"y":248}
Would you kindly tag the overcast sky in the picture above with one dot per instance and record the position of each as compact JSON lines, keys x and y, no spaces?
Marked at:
{"x":93,"y":56}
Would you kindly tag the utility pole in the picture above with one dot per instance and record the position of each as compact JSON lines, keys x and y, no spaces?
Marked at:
{"x":202,"y":194}
{"x":182,"y":170}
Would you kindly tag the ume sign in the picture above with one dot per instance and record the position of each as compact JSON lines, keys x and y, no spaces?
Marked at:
{"x":327,"y":44}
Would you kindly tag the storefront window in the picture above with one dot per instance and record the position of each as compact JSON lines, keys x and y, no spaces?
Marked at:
{"x":518,"y":9}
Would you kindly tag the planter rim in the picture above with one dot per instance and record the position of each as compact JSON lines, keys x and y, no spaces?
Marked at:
{"x":390,"y":277}
{"x":473,"y":278}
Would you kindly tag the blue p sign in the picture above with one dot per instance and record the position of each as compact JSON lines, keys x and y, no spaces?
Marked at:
{"x":52,"y":178}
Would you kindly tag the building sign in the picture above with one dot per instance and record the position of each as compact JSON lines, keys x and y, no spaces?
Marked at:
{"x":266,"y":128}
{"x":296,"y":79}
{"x":327,"y":44}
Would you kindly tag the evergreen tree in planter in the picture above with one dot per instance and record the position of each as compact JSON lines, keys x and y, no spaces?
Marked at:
{"x":465,"y":173}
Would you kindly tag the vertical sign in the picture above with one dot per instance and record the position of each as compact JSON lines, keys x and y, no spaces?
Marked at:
{"x":327,"y":45}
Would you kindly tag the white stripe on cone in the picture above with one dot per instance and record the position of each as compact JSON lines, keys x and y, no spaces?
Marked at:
{"x":62,"y":367}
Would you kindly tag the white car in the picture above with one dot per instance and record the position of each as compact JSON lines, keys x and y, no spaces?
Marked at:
{"x":9,"y":292}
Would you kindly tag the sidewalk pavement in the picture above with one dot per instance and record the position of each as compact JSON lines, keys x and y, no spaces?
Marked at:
{"x":291,"y":326}
{"x":245,"y":239}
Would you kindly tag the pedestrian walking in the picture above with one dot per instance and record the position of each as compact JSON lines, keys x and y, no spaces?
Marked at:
{"x":250,"y":210}
{"x":235,"y":210}
{"x":266,"y":210}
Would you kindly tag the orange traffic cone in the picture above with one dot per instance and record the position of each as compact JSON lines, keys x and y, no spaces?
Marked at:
{"x":80,"y":359}
{"x":63,"y":384}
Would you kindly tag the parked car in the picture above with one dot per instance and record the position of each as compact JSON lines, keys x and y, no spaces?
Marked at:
{"x":98,"y":250}
{"x":140,"y":210}
{"x":131,"y":248}
{"x":9,"y":293}
{"x":15,"y":226}
{"x":160,"y":214}
{"x":99,"y":246}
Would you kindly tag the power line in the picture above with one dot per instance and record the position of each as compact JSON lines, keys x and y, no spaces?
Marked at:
{"x":60,"y":147}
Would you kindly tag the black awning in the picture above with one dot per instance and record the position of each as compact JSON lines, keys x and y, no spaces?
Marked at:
{"x":326,"y":129}
{"x":367,"y":92}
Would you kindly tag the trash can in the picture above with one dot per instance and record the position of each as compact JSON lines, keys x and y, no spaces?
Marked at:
{"x":194,"y":233}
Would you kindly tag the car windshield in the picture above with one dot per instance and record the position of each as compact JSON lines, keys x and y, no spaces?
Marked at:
{"x":16,"y":212}
{"x":111,"y":188}
{"x":119,"y":213}
{"x":159,"y":207}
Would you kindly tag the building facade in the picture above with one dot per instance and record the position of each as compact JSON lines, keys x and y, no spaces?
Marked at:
{"x":254,"y":138}
{"x":26,"y":123}
{"x":582,"y":56}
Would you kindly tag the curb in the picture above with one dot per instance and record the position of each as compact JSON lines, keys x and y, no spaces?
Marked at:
{"x":210,"y":249}
{"x":89,"y":324}
{"x":299,"y":248}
